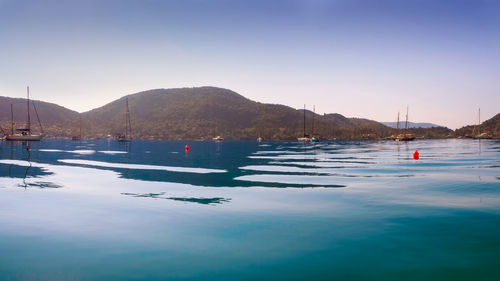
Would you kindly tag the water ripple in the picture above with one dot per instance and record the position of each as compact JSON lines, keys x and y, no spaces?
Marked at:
{"x":140,"y":166}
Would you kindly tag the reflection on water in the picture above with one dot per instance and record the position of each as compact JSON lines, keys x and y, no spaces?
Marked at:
{"x":146,"y":210}
{"x":201,"y":200}
{"x":40,"y":184}
{"x":139,"y":166}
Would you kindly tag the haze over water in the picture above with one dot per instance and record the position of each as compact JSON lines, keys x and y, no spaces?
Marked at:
{"x":102,"y":210}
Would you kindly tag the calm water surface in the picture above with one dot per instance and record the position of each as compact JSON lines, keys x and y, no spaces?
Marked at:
{"x":147,"y":210}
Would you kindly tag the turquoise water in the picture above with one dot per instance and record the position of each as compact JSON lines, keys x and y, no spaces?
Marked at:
{"x":102,"y":210}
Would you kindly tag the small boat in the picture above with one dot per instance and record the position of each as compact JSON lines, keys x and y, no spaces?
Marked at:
{"x":127,"y":137}
{"x":218,"y":138}
{"x":24,"y":134}
{"x":259,"y":139}
{"x":314,"y":139}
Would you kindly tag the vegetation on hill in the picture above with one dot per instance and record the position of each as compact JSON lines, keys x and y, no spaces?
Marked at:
{"x":202,"y":113}
{"x":56,"y":120}
{"x":489,"y":128}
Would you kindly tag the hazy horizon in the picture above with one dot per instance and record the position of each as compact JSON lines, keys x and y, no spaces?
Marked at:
{"x":357,"y":58}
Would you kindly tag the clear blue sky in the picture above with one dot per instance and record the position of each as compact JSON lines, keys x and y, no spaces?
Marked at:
{"x":364,"y":59}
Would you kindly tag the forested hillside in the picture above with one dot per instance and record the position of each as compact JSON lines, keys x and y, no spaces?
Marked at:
{"x":198,"y":113}
{"x":193,"y":113}
{"x":489,"y":128}
{"x":56,"y":120}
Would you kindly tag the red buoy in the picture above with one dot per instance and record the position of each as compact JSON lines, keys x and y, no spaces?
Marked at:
{"x":187,"y":148}
{"x":416,"y":155}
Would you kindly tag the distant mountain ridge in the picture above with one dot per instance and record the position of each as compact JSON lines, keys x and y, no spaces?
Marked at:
{"x":410,"y":124}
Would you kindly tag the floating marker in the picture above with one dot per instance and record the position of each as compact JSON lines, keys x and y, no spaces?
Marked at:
{"x":415,"y":155}
{"x":187,"y":148}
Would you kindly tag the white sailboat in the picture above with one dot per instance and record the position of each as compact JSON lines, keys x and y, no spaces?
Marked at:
{"x":24,"y":134}
{"x":218,"y":138}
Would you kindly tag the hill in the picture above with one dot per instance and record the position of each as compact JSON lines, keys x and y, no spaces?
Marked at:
{"x":199,"y":113}
{"x":490,"y":128}
{"x":204,"y":112}
{"x":410,"y":125}
{"x":56,"y":120}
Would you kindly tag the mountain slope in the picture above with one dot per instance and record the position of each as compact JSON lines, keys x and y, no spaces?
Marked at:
{"x":56,"y":120}
{"x":191,"y":113}
{"x":490,"y":127}
{"x":194,"y":113}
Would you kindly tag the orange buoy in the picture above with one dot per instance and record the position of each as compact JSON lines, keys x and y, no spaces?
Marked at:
{"x":187,"y":148}
{"x":416,"y":155}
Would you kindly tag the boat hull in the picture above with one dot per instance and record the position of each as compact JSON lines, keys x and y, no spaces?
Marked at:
{"x":24,"y":137}
{"x":124,"y":139}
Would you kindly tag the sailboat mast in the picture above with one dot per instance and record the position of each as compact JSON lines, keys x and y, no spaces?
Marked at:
{"x":80,"y":127}
{"x":304,"y":120}
{"x":128,"y":128}
{"x":29,"y":121}
{"x":11,"y":118}
{"x":397,"y":125}
{"x":406,"y":122}
{"x":479,"y":124}
{"x":314,"y":110}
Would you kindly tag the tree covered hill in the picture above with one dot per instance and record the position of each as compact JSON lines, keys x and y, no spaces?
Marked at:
{"x":56,"y":120}
{"x":199,"y":113}
{"x":204,"y":112}
{"x":490,"y":127}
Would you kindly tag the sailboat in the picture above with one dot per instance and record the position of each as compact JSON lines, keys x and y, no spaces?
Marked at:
{"x":80,"y":136}
{"x":218,"y":138}
{"x":478,"y":134}
{"x":304,"y":138}
{"x":405,"y":136}
{"x":314,"y":138}
{"x":128,"y":127}
{"x":24,"y":134}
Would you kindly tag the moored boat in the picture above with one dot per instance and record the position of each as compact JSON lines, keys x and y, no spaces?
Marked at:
{"x":405,"y":136}
{"x":305,"y":137}
{"x":314,"y":138}
{"x":24,"y":134}
{"x":127,"y":137}
{"x":218,"y":138}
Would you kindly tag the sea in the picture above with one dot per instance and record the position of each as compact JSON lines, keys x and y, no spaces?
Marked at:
{"x":243,"y":210}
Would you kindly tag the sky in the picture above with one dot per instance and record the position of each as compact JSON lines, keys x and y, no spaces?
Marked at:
{"x":366,"y":59}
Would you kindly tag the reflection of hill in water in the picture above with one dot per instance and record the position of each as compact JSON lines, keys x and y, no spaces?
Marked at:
{"x":227,"y":164}
{"x":199,"y":200}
